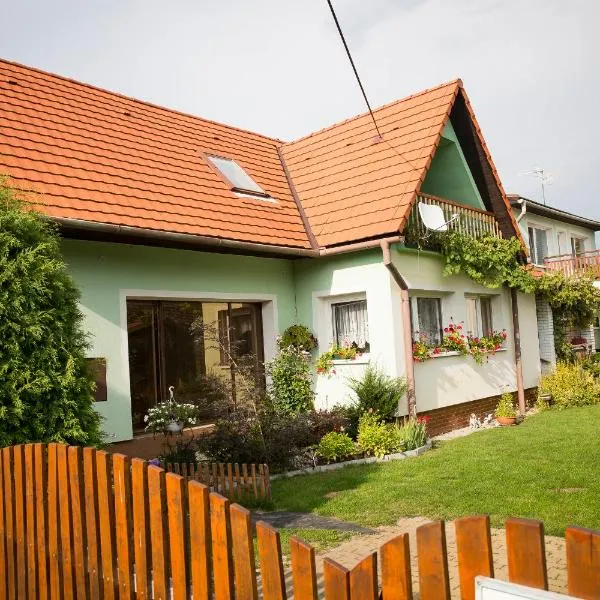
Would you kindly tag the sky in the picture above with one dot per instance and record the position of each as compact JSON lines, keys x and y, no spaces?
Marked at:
{"x":530,"y":67}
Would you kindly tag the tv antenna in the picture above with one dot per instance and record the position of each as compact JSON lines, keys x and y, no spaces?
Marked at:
{"x":545,"y":178}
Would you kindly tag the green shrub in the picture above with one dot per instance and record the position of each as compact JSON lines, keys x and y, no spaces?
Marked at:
{"x":298,"y":336}
{"x":351,"y":414}
{"x":569,"y":385}
{"x":414,"y":432}
{"x":291,"y":384}
{"x":506,"y":406}
{"x":334,"y":446}
{"x":592,"y":364}
{"x":378,"y":438}
{"x":378,"y":392}
{"x":46,"y":390}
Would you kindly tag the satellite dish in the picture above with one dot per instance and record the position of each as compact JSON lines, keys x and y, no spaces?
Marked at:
{"x":433,"y":218}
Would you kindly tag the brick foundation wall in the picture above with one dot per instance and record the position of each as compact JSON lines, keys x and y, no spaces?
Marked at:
{"x":457,"y":416}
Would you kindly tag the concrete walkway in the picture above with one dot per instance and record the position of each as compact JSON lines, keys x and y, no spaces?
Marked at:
{"x":351,"y":552}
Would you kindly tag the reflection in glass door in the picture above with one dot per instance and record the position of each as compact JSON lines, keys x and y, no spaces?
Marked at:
{"x":163,"y":350}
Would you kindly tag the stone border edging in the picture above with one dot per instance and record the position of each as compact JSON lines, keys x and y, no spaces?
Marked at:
{"x":356,"y":461}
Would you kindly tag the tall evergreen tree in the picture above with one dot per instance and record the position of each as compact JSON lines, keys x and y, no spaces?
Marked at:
{"x":46,"y":392}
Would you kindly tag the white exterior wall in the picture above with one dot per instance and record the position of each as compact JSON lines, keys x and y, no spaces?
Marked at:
{"x":441,"y":381}
{"x":383,"y":313}
{"x":449,"y":380}
{"x":553,"y":227}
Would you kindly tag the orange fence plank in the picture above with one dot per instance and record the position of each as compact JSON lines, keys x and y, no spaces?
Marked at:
{"x":336,"y":580}
{"x":141,"y":535}
{"x":53,"y":524}
{"x":90,"y":492}
{"x":253,"y":475}
{"x":20,"y":525}
{"x":158,"y":535}
{"x":243,"y":553}
{"x":123,"y":525}
{"x":434,"y":583}
{"x":229,"y":480}
{"x":583,"y":562}
{"x":304,"y":572}
{"x":66,"y":555}
{"x":9,"y":524}
{"x":3,"y":572}
{"x":176,"y":513}
{"x":199,"y":540}
{"x":396,"y":581}
{"x":41,"y":480}
{"x":244,"y":488}
{"x":474,"y":552}
{"x":106,"y":523}
{"x":75,"y":457}
{"x":221,"y":543}
{"x":526,"y":553}
{"x":271,"y":563}
{"x":363,"y":579}
{"x":30,"y":504}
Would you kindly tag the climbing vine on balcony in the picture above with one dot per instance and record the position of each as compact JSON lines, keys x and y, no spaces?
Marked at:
{"x":489,"y":261}
{"x":493,"y":262}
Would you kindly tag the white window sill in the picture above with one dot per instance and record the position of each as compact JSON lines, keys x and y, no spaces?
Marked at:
{"x":455,"y":353}
{"x":363,"y":359}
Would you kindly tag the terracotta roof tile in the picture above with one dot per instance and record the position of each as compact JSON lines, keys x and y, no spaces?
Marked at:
{"x":354,"y":186}
{"x":98,"y":156}
{"x":94,"y":155}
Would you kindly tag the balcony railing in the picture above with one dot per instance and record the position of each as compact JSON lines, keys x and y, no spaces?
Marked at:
{"x":571,"y":265}
{"x":471,"y":221}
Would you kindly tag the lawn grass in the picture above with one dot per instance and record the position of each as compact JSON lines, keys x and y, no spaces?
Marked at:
{"x":547,"y":468}
{"x":319,"y":539}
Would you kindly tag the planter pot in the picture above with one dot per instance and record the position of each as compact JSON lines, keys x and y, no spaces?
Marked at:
{"x":175,"y":427}
{"x":504,"y":421}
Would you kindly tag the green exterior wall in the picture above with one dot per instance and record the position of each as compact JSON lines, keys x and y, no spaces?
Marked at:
{"x":102,"y":270}
{"x":449,"y":175}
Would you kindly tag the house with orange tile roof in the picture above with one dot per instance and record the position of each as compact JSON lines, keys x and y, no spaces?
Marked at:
{"x":167,"y":218}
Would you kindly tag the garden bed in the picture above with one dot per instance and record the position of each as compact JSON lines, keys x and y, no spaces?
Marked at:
{"x":355,"y":461}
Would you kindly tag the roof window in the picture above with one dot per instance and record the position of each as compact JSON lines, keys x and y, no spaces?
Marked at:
{"x":237,"y":178}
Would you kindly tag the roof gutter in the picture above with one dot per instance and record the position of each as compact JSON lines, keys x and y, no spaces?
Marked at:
{"x":168,"y":237}
{"x":409,"y":364}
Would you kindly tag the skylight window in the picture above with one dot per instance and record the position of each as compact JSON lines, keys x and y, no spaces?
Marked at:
{"x":239,"y":180}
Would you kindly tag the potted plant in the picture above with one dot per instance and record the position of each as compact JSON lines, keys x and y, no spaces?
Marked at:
{"x":171,"y":417}
{"x":505,"y":411}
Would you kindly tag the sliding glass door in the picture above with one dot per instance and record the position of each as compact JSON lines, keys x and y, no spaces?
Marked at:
{"x":194,"y":347}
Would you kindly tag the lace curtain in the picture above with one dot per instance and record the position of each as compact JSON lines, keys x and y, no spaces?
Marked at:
{"x":350,"y":322}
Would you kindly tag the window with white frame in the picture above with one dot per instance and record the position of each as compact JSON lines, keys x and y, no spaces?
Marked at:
{"x":350,"y":324}
{"x":538,"y":244}
{"x":479,"y":316}
{"x":427,"y":319}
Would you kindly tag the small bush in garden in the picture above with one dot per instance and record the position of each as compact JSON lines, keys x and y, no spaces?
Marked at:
{"x":378,"y":438}
{"x":334,"y":446}
{"x":298,"y":336}
{"x":182,"y":451}
{"x":378,"y":392}
{"x":291,"y":384}
{"x":569,"y":385}
{"x":506,"y":406}
{"x":414,"y":432}
{"x":592,"y":364}
{"x":351,"y":414}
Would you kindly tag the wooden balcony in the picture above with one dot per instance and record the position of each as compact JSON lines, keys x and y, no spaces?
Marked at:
{"x":471,"y":221}
{"x":586,"y":262}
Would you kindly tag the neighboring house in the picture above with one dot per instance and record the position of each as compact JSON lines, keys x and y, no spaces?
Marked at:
{"x":167,"y":218}
{"x":558,"y":241}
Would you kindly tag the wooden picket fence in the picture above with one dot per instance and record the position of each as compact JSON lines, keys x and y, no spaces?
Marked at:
{"x":234,"y":481}
{"x":83,"y":523}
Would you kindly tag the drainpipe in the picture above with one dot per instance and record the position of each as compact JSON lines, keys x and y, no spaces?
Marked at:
{"x":523,"y":205}
{"x":517,"y":339}
{"x":406,"y":325}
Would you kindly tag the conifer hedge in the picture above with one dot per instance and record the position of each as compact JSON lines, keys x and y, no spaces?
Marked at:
{"x":46,"y":392}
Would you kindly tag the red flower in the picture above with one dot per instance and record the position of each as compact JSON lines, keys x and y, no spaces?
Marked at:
{"x":459,"y":327}
{"x":436,"y":350}
{"x":446,"y":330}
